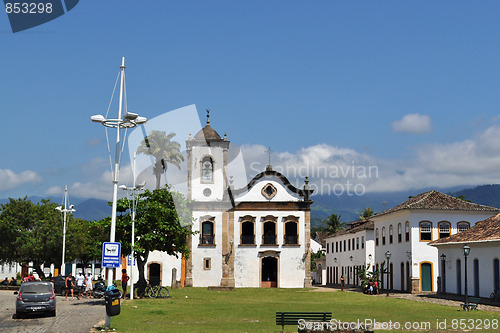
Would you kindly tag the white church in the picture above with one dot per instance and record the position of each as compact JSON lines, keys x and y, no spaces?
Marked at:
{"x":255,"y":236}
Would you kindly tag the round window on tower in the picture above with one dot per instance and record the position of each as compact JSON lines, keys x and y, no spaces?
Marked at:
{"x":207,"y":192}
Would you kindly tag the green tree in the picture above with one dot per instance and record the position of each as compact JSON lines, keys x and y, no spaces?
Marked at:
{"x":160,"y":145}
{"x":333,"y":223}
{"x":366,"y":213}
{"x":162,"y":223}
{"x":30,"y":233}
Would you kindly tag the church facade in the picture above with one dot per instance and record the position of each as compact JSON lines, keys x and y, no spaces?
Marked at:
{"x":255,"y":236}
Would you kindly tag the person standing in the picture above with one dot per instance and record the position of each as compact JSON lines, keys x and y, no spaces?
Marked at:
{"x":342,"y":283}
{"x":88,"y":285}
{"x":80,"y":281}
{"x":69,"y":284}
{"x":125,"y":279}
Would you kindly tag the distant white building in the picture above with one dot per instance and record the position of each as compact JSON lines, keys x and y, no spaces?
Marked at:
{"x":405,"y":232}
{"x":483,"y":261}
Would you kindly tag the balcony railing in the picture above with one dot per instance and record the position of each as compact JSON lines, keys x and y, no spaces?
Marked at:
{"x":291,"y":239}
{"x":247,"y":239}
{"x":269,"y":239}
{"x":207,"y":239}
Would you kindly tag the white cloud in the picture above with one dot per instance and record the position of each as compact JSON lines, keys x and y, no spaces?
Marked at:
{"x":412,"y":123}
{"x":10,"y":180}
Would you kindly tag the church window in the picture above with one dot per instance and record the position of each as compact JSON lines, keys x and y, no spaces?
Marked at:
{"x":444,"y":229}
{"x":407,"y":231}
{"x":207,"y":264}
{"x":269,"y":236}
{"x":207,"y":170}
{"x":269,"y":191}
{"x":462,"y":226}
{"x":207,"y":233}
{"x":248,"y":233}
{"x":425,"y":231}
{"x":362,"y":242}
{"x":291,"y":236}
{"x":390,"y":234}
{"x":357,"y":243}
{"x":400,"y":233}
{"x":376,"y":237}
{"x":383,"y":236}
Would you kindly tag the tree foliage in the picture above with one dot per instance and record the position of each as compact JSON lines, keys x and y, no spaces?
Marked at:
{"x":160,"y":145}
{"x":333,"y":223}
{"x":32,"y":232}
{"x":162,"y":223}
{"x":366,"y":213}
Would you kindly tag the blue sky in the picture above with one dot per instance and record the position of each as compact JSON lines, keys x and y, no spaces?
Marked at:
{"x":410,"y":87}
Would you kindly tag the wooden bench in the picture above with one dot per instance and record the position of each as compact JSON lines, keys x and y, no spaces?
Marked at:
{"x":472,"y":304}
{"x":292,"y":318}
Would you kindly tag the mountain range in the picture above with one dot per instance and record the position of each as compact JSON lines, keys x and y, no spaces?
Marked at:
{"x":349,"y":207}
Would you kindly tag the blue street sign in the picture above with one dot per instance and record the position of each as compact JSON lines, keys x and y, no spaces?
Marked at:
{"x":111,"y":254}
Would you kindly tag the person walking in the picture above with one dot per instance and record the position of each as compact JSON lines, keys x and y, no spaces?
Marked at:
{"x":80,"y":282}
{"x":88,"y":285}
{"x":125,"y":279}
{"x":69,"y":284}
{"x":342,"y":283}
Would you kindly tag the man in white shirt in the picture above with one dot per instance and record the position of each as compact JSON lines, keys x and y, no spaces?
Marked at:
{"x":80,"y":280}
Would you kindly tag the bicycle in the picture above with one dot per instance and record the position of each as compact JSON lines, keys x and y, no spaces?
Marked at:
{"x":157,"y":291}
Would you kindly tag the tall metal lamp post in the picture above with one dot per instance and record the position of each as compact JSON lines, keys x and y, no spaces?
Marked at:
{"x":466,"y":252}
{"x":64,"y":210}
{"x":134,"y":190}
{"x":129,"y":120}
{"x":387,"y":256}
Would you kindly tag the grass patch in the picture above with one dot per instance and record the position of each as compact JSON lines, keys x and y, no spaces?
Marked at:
{"x":253,"y":310}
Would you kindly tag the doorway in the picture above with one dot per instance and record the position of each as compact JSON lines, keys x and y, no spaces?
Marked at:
{"x":426,"y":276}
{"x":269,"y":278}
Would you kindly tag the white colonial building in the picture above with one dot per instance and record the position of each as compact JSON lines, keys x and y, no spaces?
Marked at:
{"x":256,"y":236}
{"x":405,"y":232}
{"x":349,"y":250}
{"x":483,"y":261}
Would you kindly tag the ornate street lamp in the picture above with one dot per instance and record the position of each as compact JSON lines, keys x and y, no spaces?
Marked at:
{"x":129,"y":120}
{"x":134,"y":189}
{"x":466,"y":252}
{"x":387,"y":256}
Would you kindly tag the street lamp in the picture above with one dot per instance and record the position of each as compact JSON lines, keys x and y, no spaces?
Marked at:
{"x":387,"y":256}
{"x":443,"y":273}
{"x":129,"y":120}
{"x":65,"y":210}
{"x":466,"y":251}
{"x":134,"y":190}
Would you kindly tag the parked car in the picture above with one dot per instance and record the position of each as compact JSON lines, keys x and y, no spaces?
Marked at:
{"x":35,"y":296}
{"x":59,"y":284}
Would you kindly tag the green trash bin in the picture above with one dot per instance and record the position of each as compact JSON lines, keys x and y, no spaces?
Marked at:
{"x":112,"y":298}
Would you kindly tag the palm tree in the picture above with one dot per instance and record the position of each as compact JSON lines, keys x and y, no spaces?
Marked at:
{"x":366,"y":213}
{"x":159,"y":145}
{"x":333,"y":223}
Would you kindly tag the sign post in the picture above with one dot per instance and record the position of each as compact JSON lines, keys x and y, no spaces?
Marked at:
{"x":111,"y":254}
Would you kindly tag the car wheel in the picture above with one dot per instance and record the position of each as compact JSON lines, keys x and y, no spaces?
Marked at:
{"x":18,"y":315}
{"x":53,"y":313}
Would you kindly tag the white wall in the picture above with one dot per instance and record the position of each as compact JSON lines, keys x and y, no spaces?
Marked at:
{"x":484,"y":252}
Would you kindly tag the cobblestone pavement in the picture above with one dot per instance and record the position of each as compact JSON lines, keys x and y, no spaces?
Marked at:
{"x":75,"y":316}
{"x":451,"y":300}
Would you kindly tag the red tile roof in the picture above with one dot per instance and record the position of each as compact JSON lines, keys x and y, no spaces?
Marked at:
{"x":487,"y":230}
{"x":435,"y":200}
